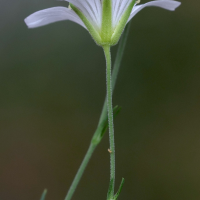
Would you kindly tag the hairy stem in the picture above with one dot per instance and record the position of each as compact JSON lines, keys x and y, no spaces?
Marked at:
{"x":96,"y":137}
{"x":110,"y":115}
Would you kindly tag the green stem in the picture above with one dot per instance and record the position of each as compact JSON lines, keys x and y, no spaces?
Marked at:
{"x":115,"y":72}
{"x":80,"y":171}
{"x":96,"y":137}
{"x":110,"y":115}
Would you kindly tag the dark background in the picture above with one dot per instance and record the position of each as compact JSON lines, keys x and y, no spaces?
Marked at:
{"x":52,"y":87}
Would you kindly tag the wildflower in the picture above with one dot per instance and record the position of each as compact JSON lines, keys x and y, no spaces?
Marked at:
{"x":104,"y":19}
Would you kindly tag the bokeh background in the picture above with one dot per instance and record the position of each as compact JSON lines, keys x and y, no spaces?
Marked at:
{"x":52,"y":87}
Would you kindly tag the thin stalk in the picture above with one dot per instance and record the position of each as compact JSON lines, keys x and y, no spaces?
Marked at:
{"x":115,"y":72}
{"x":110,"y":115}
{"x":96,"y":137}
{"x":80,"y":171}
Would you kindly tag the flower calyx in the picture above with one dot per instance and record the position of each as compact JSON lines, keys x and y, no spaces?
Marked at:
{"x":108,"y":33}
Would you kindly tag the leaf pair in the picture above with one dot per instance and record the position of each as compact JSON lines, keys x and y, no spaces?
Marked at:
{"x":110,"y":195}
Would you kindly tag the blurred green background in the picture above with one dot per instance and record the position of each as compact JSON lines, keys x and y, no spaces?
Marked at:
{"x":52,"y":88}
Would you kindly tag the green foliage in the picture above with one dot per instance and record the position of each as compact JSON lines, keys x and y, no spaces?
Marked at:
{"x":43,"y":195}
{"x":110,"y":189}
{"x":102,"y":128}
{"x":119,"y":190}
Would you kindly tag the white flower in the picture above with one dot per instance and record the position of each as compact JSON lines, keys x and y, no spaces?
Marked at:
{"x":104,"y":19}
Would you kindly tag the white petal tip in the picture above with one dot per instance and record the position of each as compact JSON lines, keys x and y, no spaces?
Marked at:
{"x":29,"y":23}
{"x":176,"y":4}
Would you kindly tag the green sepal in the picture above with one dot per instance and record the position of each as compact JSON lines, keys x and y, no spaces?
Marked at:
{"x":119,"y":190}
{"x":106,"y":30}
{"x":102,"y":128}
{"x":110,"y":190}
{"x":43,"y":195}
{"x":95,"y":35}
{"x":121,"y":24}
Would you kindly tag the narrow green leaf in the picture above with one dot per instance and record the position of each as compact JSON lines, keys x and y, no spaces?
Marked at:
{"x":116,"y":111}
{"x":43,"y":195}
{"x":102,"y":128}
{"x":119,"y":190}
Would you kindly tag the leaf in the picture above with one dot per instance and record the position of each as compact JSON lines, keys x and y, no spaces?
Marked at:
{"x":43,"y":195}
{"x":116,"y":111}
{"x":101,"y":129}
{"x":119,"y":190}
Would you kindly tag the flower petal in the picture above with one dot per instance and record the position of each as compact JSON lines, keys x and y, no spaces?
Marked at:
{"x":50,"y":15}
{"x":166,"y":4}
{"x":92,"y":9}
